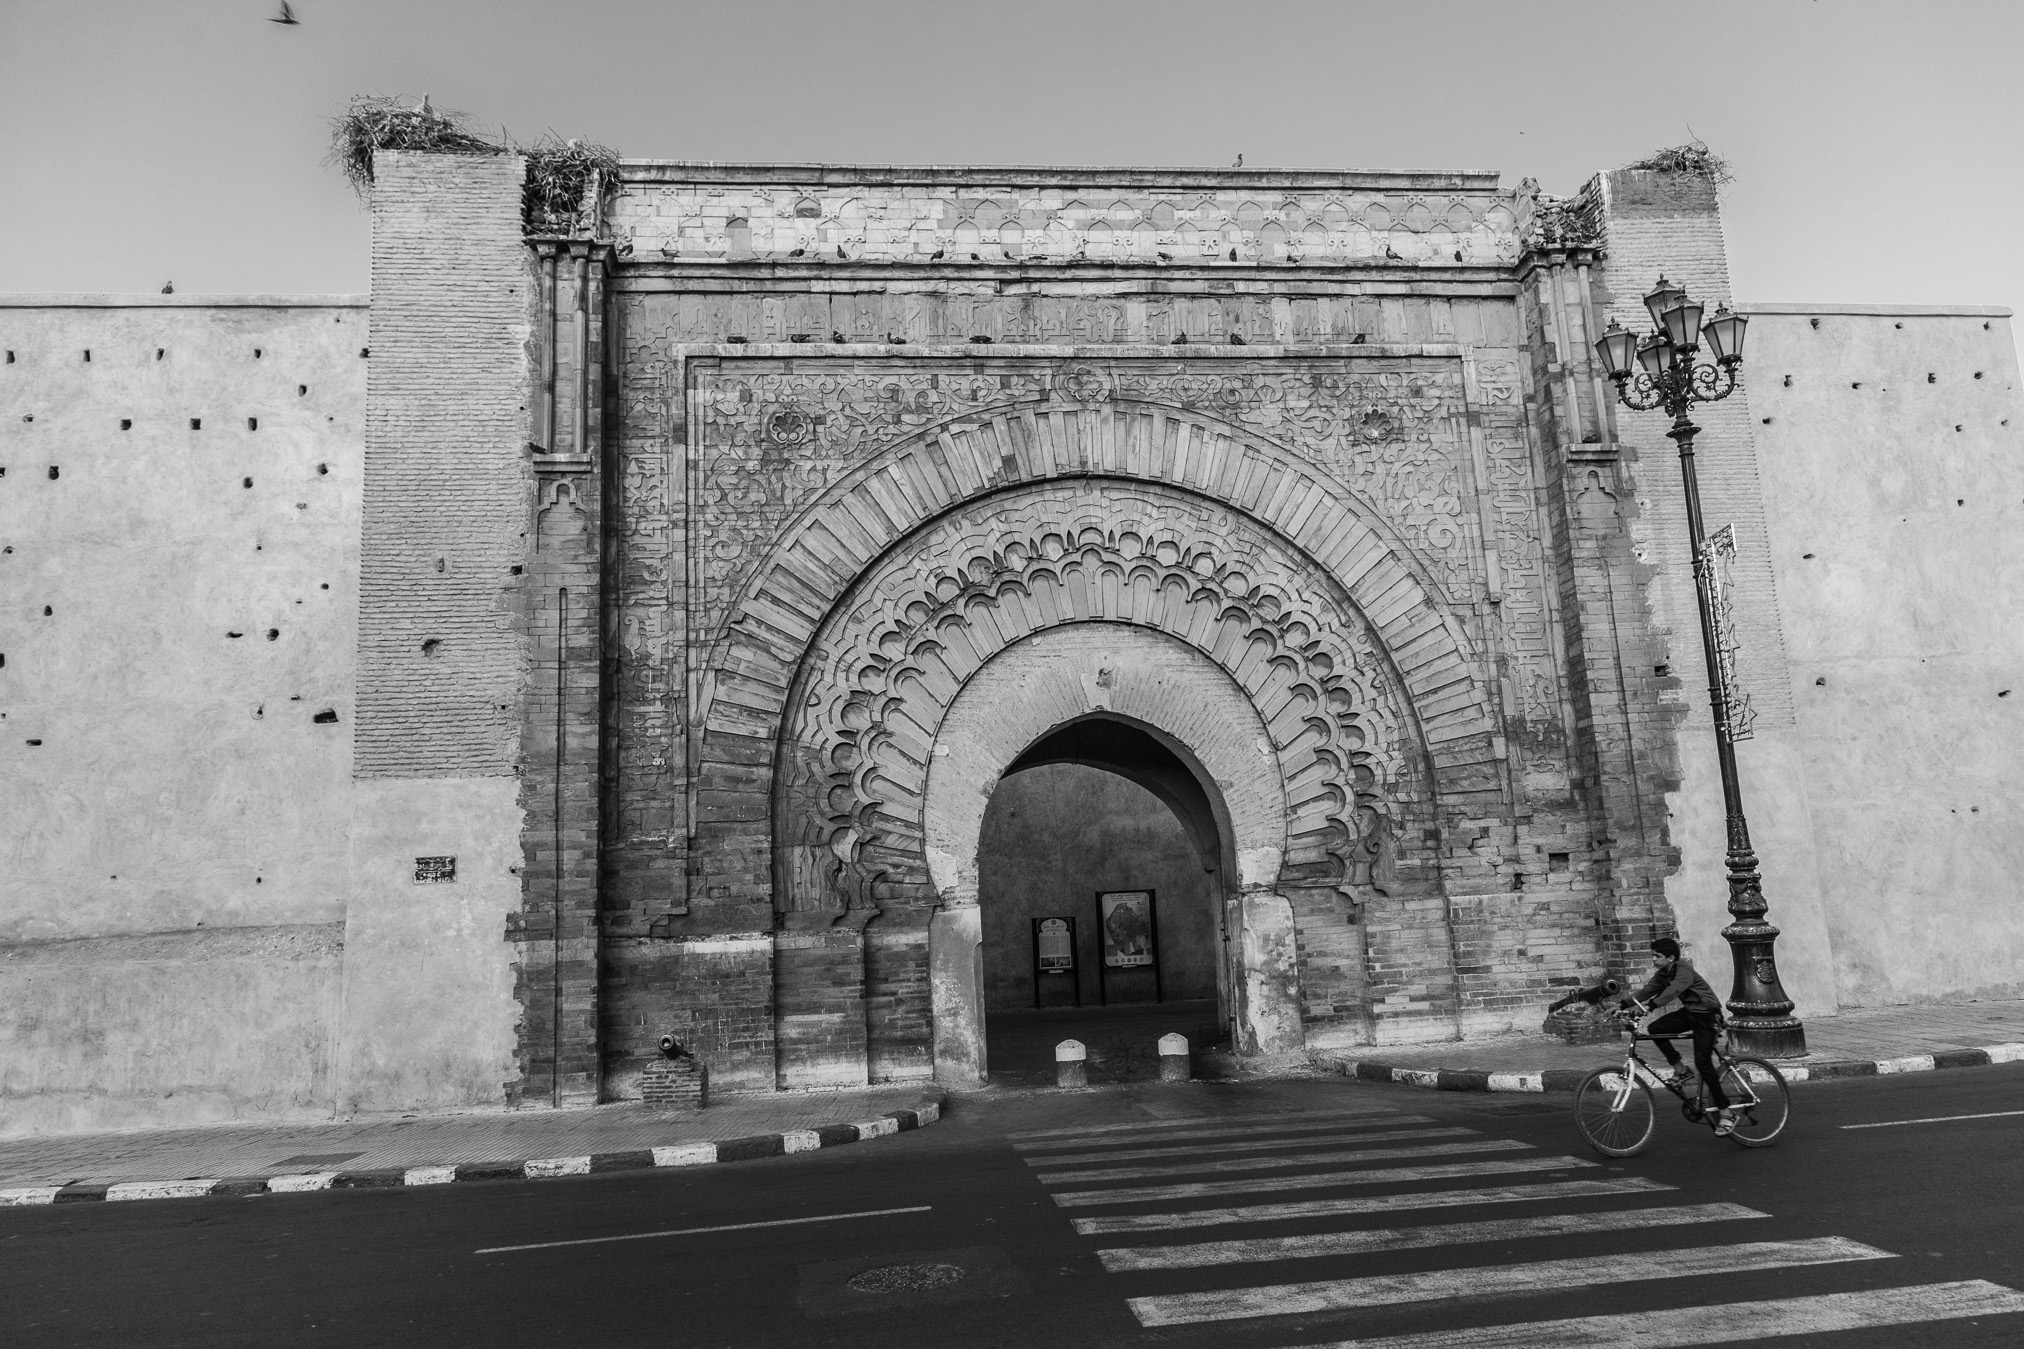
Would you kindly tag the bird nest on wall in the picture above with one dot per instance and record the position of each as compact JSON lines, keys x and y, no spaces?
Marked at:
{"x":563,"y":176}
{"x":1694,"y":157}
{"x":373,"y":123}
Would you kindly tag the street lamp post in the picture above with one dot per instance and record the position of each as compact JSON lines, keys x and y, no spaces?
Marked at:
{"x":1761,"y":1017}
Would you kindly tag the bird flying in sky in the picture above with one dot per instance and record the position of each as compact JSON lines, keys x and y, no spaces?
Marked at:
{"x":286,"y":15}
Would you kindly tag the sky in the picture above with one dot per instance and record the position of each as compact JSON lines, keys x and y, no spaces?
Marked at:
{"x":1878,"y":148}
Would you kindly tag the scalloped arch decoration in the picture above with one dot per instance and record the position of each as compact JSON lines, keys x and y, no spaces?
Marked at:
{"x":891,"y":659}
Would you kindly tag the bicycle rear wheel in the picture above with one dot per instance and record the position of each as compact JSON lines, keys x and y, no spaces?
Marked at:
{"x":1614,"y":1114}
{"x":1762,"y":1100}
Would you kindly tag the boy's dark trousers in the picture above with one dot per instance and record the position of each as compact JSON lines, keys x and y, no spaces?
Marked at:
{"x":1704,"y":1030}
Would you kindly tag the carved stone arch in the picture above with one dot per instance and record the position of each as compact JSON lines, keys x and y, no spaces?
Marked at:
{"x":892,"y":657}
{"x":1158,"y":430}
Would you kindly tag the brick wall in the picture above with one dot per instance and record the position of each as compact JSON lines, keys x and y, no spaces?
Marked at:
{"x":446,"y":476}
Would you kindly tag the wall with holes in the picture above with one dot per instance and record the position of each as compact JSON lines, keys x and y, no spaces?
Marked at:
{"x":1891,"y":454}
{"x":179,"y":512}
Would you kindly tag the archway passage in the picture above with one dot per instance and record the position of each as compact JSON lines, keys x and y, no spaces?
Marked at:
{"x":1100,"y":874}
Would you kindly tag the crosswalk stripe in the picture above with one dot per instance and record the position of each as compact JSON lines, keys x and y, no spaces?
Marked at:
{"x":1726,"y":1322}
{"x":1287,"y":1117}
{"x":1370,"y":1203}
{"x":1314,"y":1180}
{"x":1197,"y":1255}
{"x":1252,"y":1145}
{"x":1286,"y":1159}
{"x":1479,"y":1280}
{"x":1236,"y":1131}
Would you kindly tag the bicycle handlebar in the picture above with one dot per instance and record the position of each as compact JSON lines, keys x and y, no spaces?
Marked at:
{"x":1591,"y":996}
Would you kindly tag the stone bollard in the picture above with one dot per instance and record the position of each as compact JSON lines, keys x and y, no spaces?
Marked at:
{"x":675,"y":1082}
{"x":1071,"y":1068}
{"x":1174,"y":1058}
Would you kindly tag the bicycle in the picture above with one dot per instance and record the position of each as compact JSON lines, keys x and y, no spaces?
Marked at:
{"x":1614,"y":1111}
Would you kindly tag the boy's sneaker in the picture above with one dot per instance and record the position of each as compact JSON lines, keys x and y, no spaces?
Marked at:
{"x":1725,"y":1122}
{"x":1680,"y":1077}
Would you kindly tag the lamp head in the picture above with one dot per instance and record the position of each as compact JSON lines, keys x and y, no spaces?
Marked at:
{"x":1682,"y":324}
{"x":1724,"y":336}
{"x":1617,"y":347}
{"x":1655,"y":353}
{"x":1663,"y":297}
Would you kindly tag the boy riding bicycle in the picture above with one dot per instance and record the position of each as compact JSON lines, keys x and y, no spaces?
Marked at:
{"x":1699,"y":1014}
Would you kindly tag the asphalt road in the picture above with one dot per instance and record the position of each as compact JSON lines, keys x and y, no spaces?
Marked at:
{"x":1484,"y":1227}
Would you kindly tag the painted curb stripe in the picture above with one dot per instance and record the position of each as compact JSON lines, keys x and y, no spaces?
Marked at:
{"x":555,"y":1166}
{"x":1567,"y":1079}
{"x":315,"y":1180}
{"x":686,"y":1154}
{"x":158,"y":1189}
{"x":429,"y":1175}
{"x":800,"y":1140}
{"x":30,"y":1194}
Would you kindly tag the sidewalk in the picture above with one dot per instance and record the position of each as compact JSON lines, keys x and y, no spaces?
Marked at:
{"x":1857,"y":1043}
{"x":440,"y":1148}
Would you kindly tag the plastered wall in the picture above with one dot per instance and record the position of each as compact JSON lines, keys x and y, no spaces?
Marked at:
{"x":179,"y":512}
{"x":1889,"y":446}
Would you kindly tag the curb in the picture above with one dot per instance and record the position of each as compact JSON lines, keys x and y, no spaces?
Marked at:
{"x":637,"y":1159}
{"x":1567,"y":1079}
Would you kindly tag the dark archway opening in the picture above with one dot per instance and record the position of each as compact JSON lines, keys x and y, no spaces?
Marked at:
{"x":1101,"y":807}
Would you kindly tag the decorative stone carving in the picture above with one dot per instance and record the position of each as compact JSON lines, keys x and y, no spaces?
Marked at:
{"x":891,"y":658}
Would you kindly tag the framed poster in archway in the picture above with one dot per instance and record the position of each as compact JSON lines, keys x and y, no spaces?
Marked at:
{"x":1128,"y":923}
{"x":1054,"y":954}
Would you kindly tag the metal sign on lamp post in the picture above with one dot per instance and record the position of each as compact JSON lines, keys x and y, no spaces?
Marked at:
{"x":1760,"y":1014}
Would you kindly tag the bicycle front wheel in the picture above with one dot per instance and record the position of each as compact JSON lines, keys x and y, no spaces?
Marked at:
{"x":1762,"y":1101}
{"x":1614,"y":1113}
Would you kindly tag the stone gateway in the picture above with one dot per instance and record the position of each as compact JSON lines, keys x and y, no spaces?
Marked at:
{"x":704,"y":575}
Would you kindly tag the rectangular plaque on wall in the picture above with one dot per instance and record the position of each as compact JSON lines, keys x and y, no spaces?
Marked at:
{"x":435,"y":870}
{"x":1054,"y":945}
{"x":1127,"y":918}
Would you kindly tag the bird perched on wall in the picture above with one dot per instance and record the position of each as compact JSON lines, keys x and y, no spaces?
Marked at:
{"x":1164,"y":257}
{"x":286,"y":15}
{"x":1233,"y":255}
{"x":938,"y":255}
{"x":737,"y":341}
{"x":800,"y":337}
{"x":841,"y":254}
{"x":625,"y":249}
{"x":981,"y":340}
{"x":1240,"y":162}
{"x":976,"y":257}
{"x":1356,"y":341}
{"x":1393,"y":255}
{"x":1458,"y":255}
{"x":1237,"y":340}
{"x":168,"y":288}
{"x":1181,"y":340}
{"x":895,"y":340}
{"x":837,"y":337}
{"x":797,"y":252}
